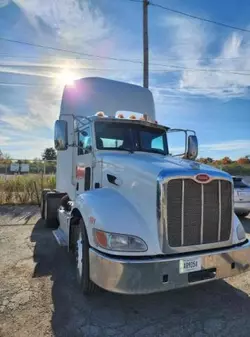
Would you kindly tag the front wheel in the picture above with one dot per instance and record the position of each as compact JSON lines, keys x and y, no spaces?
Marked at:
{"x":81,"y":254}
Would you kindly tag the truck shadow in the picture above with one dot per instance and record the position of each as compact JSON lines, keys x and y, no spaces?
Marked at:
{"x":212,"y":309}
{"x":21,"y":214}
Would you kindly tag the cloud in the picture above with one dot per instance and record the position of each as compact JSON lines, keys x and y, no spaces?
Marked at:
{"x":41,"y":111}
{"x":74,"y":26}
{"x":24,"y":145}
{"x":73,"y":23}
{"x":234,"y":149}
{"x":20,"y":71}
{"x":222,"y":75}
{"x":4,"y":140}
{"x":235,"y":145}
{"x":77,"y":26}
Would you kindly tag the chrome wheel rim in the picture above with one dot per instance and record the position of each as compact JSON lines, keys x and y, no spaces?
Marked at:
{"x":79,"y":256}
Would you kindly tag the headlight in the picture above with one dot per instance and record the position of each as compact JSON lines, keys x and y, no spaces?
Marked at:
{"x":119,"y":242}
{"x":240,"y":232}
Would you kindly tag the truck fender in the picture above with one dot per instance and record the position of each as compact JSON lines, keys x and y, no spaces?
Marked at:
{"x":236,"y":223}
{"x":106,"y":209}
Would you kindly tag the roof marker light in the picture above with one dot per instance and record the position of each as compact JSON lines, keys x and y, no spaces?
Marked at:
{"x":120,"y":116}
{"x":132,"y":117}
{"x":100,"y":114}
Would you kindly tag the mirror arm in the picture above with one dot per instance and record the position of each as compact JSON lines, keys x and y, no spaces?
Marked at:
{"x":80,"y":147}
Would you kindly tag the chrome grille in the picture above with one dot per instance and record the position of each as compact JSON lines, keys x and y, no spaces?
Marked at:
{"x":198,"y":213}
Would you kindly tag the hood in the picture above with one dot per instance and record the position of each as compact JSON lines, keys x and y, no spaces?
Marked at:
{"x":153,"y":164}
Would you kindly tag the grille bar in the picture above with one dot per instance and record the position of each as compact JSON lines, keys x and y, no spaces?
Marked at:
{"x":202,"y":212}
{"x":198,"y":213}
{"x":219,"y":224}
{"x":182,"y":212}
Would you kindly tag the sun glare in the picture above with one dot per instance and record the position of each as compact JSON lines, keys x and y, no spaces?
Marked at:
{"x":65,"y":77}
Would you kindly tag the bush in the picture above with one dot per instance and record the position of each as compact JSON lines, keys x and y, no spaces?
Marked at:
{"x":24,"y":189}
{"x":236,"y":169}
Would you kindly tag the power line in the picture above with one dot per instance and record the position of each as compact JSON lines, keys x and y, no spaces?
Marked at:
{"x":194,"y":16}
{"x":68,"y":51}
{"x":198,"y":17}
{"x":140,"y":1}
{"x":171,"y":66}
{"x":20,"y":57}
{"x":213,"y":70}
{"x":178,"y":89}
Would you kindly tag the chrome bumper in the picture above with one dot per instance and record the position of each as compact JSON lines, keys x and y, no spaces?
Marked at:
{"x":242,"y":207}
{"x":135,"y":276}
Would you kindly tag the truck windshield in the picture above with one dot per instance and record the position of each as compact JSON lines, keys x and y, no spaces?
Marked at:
{"x":131,"y":137}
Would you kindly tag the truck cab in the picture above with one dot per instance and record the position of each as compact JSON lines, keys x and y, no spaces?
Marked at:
{"x":137,"y":219}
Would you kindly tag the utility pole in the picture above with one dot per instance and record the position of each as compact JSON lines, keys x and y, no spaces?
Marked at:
{"x":145,"y":43}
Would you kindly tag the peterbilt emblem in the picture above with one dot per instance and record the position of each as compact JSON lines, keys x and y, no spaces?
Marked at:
{"x":202,"y":178}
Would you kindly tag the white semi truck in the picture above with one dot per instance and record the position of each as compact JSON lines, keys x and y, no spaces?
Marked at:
{"x":137,"y":219}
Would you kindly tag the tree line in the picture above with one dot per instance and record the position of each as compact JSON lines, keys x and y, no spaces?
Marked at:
{"x":49,"y":153}
{"x":225,"y":161}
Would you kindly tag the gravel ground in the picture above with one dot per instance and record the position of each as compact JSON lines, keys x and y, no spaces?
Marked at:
{"x":39,"y":295}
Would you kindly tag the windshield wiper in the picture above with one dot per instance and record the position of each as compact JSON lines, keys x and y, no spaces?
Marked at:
{"x":126,"y":149}
{"x":153,"y":151}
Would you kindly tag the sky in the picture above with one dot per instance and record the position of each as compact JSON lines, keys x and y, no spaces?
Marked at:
{"x":199,"y":72}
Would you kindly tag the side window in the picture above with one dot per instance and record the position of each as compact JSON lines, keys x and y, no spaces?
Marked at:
{"x":157,"y":143}
{"x":149,"y":142}
{"x":84,"y":142}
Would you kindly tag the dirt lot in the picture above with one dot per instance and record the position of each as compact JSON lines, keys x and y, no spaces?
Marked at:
{"x":39,"y":295}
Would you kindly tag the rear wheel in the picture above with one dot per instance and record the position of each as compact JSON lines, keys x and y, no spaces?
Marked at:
{"x":81,"y":255}
{"x":43,"y":195}
{"x":52,"y":201}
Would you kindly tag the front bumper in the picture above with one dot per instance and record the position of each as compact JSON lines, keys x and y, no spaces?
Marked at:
{"x":150,"y":275}
{"x":242,"y":207}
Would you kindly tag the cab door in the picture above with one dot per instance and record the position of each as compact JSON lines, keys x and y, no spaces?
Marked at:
{"x":84,"y":161}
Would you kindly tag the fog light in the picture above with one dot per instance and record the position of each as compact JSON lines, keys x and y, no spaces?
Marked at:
{"x":240,"y":232}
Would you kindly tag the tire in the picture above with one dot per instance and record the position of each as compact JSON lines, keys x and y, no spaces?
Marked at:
{"x":51,"y":204}
{"x":81,"y":257}
{"x":42,"y":208}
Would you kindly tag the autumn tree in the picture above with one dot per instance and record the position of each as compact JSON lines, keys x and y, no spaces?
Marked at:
{"x":5,"y":158}
{"x":243,"y":161}
{"x":206,"y":160}
{"x":226,"y":161}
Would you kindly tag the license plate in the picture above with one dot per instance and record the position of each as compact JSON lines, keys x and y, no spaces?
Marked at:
{"x":189,"y":264}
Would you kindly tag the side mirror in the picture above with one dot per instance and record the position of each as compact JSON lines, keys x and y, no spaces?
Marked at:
{"x":61,"y":135}
{"x":192,"y":148}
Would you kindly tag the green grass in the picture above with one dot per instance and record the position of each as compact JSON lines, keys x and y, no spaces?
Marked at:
{"x":24,"y":189}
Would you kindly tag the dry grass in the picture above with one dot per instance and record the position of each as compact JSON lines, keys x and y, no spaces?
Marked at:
{"x":24,"y":189}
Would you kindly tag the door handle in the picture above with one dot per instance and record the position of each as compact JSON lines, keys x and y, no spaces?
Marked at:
{"x":77,"y":186}
{"x":114,"y":180}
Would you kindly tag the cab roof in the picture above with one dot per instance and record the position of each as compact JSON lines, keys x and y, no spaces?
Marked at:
{"x":121,"y":120}
{"x":92,"y":94}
